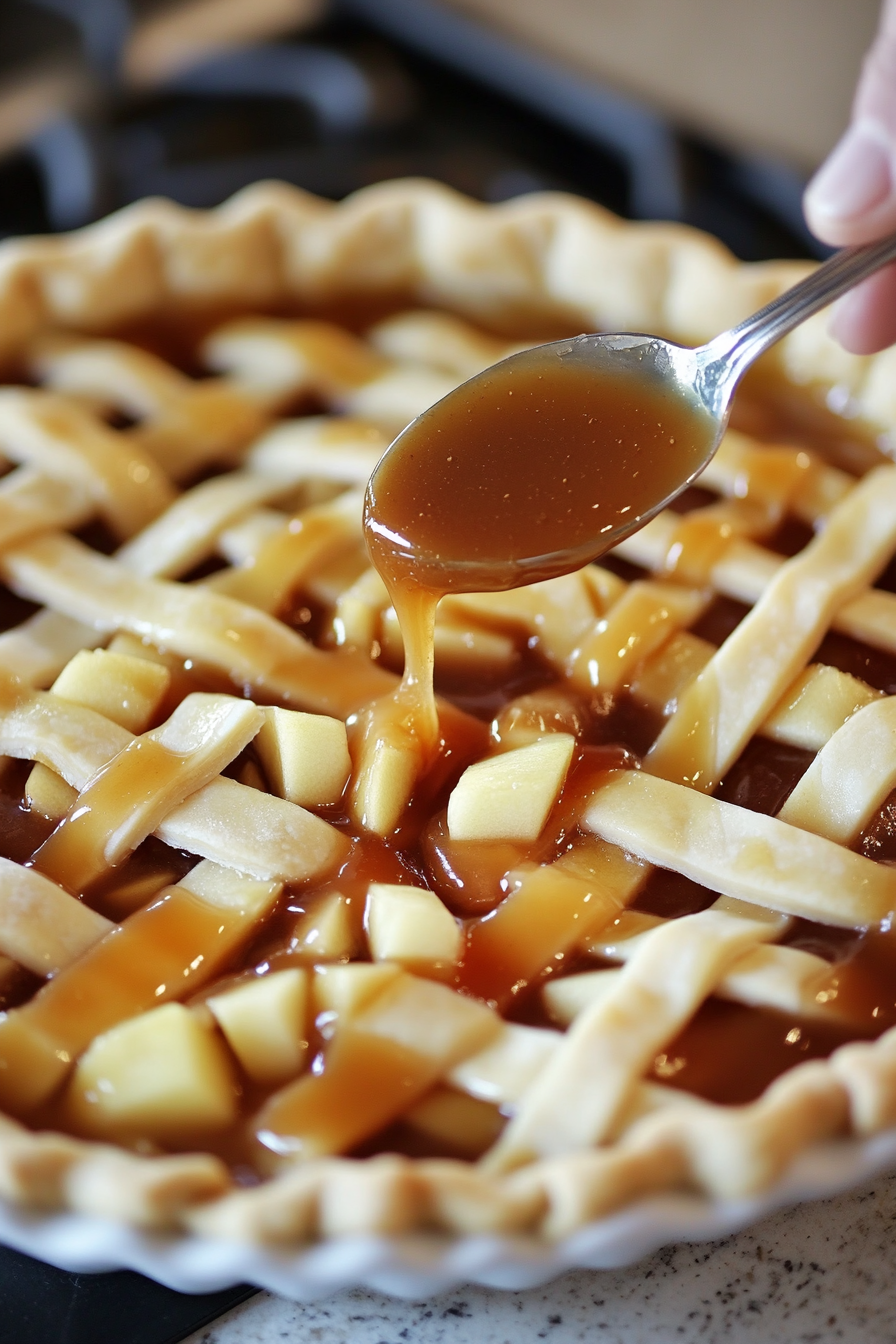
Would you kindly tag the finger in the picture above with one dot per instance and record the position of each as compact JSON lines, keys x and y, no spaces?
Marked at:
{"x":864,"y":321}
{"x":852,"y":198}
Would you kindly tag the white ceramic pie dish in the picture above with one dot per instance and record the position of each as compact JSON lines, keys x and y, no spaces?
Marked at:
{"x":418,"y":1266}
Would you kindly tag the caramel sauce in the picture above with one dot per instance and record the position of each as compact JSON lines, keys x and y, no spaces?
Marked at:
{"x":526,"y":472}
{"x":469,"y":875}
{"x":513,"y":480}
{"x":729,"y":1053}
{"x":75,"y":854}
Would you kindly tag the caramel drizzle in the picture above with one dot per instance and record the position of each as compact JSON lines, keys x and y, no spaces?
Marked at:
{"x":75,"y":854}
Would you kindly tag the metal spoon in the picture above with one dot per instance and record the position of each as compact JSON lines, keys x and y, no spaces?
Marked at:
{"x":702,"y":379}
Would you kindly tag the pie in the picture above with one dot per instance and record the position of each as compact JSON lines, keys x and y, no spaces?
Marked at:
{"x":268,"y":973}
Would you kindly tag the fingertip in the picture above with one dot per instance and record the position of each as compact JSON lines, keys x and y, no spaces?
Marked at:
{"x":864,"y":321}
{"x":852,"y":197}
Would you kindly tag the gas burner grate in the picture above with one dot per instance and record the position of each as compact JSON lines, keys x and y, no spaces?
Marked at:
{"x":384,"y":88}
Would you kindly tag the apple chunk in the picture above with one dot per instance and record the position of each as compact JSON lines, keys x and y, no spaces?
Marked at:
{"x":125,"y":689}
{"x":454,"y":1121}
{"x":163,"y":1075}
{"x":263,"y":1021}
{"x":411,"y":926}
{"x":509,"y":797}
{"x":328,"y":932}
{"x":340,"y":992}
{"x":47,"y":793}
{"x":305,"y":756}
{"x":380,"y":1061}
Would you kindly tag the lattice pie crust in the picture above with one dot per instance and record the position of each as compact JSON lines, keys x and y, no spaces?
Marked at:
{"x":228,"y":490}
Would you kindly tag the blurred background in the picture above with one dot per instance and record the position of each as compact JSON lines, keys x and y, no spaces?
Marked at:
{"x":712,"y":112}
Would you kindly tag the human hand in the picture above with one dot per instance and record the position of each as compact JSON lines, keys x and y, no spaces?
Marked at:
{"x":852,"y":198}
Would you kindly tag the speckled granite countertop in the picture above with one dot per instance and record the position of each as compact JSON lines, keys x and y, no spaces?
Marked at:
{"x":812,"y":1275}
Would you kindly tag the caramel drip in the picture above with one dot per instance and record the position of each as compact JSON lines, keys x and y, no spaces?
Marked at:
{"x":416,"y":611}
{"x":75,"y":854}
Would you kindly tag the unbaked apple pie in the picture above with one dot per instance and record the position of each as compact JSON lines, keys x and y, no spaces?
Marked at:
{"x":273,"y":966}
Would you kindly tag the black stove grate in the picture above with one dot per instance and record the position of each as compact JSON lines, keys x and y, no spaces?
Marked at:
{"x":389,"y":88}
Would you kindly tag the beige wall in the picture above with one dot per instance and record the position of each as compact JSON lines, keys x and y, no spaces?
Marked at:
{"x":764,"y":75}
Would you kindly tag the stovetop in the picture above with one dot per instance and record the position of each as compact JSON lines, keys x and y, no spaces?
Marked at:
{"x":384,"y":89}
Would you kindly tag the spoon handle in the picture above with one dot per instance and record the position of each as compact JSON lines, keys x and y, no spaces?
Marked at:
{"x":726,"y":358}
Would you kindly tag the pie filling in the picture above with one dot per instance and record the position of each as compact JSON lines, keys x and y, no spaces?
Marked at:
{"x":609,"y":895}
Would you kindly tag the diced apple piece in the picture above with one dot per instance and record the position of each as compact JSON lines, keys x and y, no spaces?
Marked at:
{"x":305,"y":755}
{"x":508,"y":1065}
{"x":137,"y":889}
{"x":123,"y":688}
{"x":134,"y":647}
{"x":428,"y":1019}
{"x":389,"y":755}
{"x":531,"y":717}
{"x":456,"y":1121}
{"x":509,"y":797}
{"x":264,"y":1021}
{"x":161,"y":1076}
{"x":565,"y":998}
{"x":342,"y":991}
{"x":815,"y":705}
{"x":328,"y":932}
{"x":48,"y":793}
{"x":377,"y":1065}
{"x":411,"y":926}
{"x":179,"y":670}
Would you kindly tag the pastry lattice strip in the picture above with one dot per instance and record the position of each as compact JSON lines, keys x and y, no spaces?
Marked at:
{"x":187,"y":533}
{"x":221,"y":819}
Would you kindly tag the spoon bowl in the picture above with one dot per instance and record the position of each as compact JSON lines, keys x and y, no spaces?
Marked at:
{"x":551,"y":457}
